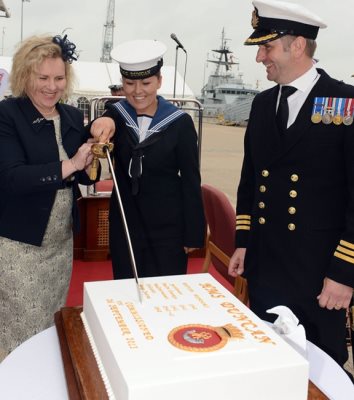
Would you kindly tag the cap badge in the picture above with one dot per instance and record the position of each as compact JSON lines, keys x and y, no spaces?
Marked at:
{"x":255,"y":19}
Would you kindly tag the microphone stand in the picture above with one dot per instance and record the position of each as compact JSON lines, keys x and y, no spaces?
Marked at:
{"x":175,"y":78}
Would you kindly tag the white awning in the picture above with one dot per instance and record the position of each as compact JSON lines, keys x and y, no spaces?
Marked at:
{"x":93,"y":79}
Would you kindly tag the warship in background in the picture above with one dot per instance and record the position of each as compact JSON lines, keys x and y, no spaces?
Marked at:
{"x":226,"y":98}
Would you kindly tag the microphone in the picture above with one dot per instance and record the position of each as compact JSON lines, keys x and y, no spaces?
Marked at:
{"x":174,"y":37}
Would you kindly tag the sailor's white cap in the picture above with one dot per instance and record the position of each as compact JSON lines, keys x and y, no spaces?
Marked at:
{"x":116,"y":86}
{"x":273,"y":19}
{"x":139,"y":59}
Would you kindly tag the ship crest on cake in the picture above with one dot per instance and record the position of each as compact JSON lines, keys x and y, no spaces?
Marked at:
{"x":198,"y":337}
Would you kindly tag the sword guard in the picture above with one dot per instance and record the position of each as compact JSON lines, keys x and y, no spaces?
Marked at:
{"x":99,"y":150}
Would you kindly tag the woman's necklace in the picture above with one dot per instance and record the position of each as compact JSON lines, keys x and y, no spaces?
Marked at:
{"x":48,"y":114}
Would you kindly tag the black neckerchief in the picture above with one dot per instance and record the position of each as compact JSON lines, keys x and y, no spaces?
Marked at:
{"x":166,"y":113}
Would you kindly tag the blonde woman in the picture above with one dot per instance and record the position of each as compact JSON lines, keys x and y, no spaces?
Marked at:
{"x":43,"y":157}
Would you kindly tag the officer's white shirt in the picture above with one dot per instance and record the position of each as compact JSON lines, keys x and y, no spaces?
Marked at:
{"x":304,"y":85}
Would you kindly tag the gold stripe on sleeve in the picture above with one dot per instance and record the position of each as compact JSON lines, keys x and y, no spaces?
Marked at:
{"x":347,"y":244}
{"x":343,"y":257}
{"x":243,"y":228}
{"x":243,"y":222}
{"x":243,"y":216}
{"x":345,"y":251}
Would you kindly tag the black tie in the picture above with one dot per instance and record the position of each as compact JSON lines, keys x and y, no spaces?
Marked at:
{"x":283,"y":108}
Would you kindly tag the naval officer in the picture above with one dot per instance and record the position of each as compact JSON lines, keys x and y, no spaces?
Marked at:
{"x":295,"y":202}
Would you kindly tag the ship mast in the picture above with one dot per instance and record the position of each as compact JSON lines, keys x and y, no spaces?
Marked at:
{"x":224,"y":58}
{"x":108,"y":33}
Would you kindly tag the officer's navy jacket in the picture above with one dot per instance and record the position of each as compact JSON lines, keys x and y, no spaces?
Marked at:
{"x":295,"y":202}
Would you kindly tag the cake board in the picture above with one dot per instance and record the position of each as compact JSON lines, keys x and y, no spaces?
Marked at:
{"x":82,"y":375}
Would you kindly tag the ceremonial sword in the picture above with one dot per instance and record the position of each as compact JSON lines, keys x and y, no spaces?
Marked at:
{"x":102,"y":150}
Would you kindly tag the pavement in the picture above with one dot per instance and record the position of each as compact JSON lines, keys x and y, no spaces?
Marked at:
{"x":221,"y":157}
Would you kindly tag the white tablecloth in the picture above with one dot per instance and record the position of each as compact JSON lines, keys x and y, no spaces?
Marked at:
{"x":328,"y":376}
{"x":34,"y":371}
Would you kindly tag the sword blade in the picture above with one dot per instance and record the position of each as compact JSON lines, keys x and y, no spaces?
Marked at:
{"x":126,"y":230}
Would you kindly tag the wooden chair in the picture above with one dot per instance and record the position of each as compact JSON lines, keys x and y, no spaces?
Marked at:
{"x":350,"y":328}
{"x":105,"y":185}
{"x":221,"y":221}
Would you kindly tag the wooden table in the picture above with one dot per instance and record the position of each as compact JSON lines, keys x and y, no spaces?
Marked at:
{"x":92,"y":242}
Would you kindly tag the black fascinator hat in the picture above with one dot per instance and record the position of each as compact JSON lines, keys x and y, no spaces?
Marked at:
{"x":68,"y":48}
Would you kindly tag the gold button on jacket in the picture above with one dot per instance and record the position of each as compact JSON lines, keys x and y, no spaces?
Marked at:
{"x":291,"y":227}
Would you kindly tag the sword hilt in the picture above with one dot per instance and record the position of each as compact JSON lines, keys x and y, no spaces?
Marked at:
{"x":99,"y":150}
{"x":94,"y":168}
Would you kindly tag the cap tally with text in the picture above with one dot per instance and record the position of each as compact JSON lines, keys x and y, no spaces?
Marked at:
{"x":139,"y":59}
{"x":273,"y":19}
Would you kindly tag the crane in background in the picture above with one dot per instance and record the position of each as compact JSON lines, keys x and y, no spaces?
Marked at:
{"x":108,"y":33}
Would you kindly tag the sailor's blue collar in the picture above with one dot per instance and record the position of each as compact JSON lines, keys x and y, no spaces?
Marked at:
{"x":165,"y":114}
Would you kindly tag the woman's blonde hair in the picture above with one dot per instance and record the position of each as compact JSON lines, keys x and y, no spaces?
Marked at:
{"x":30,"y":55}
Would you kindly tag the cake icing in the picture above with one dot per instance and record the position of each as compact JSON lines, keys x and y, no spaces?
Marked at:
{"x":188,"y":337}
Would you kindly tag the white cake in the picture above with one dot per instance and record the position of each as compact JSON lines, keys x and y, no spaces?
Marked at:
{"x":174,"y":344}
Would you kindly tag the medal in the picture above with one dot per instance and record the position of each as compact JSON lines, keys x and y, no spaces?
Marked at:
{"x":338,"y":118}
{"x":327,"y":116}
{"x":316,"y":116}
{"x":348,"y":118}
